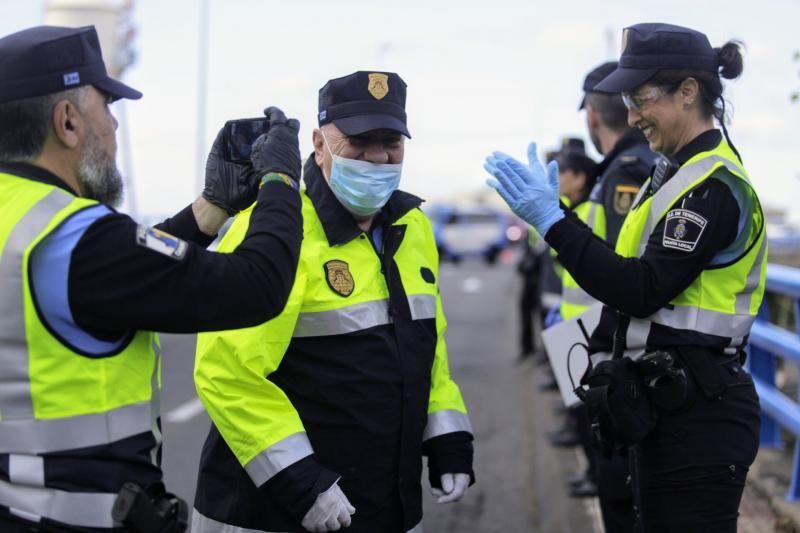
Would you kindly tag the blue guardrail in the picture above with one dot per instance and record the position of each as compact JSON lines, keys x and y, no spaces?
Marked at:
{"x":767,"y":343}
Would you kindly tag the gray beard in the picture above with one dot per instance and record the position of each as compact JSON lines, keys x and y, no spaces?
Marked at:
{"x":98,"y":175}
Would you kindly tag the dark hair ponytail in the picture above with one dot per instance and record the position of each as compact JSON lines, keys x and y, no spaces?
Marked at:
{"x":730,"y":59}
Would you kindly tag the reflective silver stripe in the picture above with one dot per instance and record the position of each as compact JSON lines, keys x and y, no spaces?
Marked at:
{"x":348,"y":319}
{"x":15,"y":387}
{"x":85,"y":509}
{"x":283,"y":453}
{"x":591,"y":216}
{"x":204,"y":524}
{"x":359,"y":317}
{"x":56,"y":434}
{"x":745,"y":297}
{"x":26,"y":469}
{"x":704,"y":321}
{"x":689,"y":317}
{"x":671,"y":191}
{"x":577,"y":296}
{"x":636,"y":336}
{"x":550,"y":300}
{"x":446,"y":421}
{"x":416,"y":529}
{"x":692,"y":319}
{"x":422,"y":306}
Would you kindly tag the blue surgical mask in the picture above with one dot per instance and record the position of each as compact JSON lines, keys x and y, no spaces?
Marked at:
{"x":363,"y":188}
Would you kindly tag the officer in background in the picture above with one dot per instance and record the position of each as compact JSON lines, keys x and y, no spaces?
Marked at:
{"x":576,"y":172}
{"x":577,"y":178}
{"x":627,"y":164}
{"x":682,"y":288}
{"x":357,"y":384}
{"x":529,"y":268}
{"x":82,"y":287}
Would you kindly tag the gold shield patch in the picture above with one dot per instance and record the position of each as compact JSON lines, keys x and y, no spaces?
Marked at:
{"x":378,"y":85}
{"x":339,"y":277}
{"x":623,"y":198}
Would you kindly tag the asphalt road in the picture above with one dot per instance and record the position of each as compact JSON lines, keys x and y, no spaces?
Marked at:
{"x":520,"y":480}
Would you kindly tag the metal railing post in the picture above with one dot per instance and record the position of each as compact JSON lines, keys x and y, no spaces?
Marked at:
{"x":794,"y":487}
{"x":761,"y":364}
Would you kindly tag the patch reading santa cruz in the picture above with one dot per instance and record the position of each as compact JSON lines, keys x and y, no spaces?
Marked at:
{"x":683,"y":230}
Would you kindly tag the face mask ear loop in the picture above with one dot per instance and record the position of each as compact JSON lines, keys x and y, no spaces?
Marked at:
{"x":328,"y":146}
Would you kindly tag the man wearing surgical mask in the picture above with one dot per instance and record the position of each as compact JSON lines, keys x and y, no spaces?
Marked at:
{"x":321,"y":416}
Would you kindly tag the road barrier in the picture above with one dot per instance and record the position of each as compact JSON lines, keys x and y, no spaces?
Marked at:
{"x":767,"y":343}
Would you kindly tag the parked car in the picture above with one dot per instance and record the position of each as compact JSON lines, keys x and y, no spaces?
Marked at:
{"x":473,"y":232}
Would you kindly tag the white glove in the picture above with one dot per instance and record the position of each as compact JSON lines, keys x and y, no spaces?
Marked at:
{"x":453,"y":488}
{"x":331,"y":511}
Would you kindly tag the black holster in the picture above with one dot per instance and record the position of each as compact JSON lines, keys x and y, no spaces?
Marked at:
{"x":618,"y":406}
{"x":150,"y":511}
{"x":705,"y":369}
{"x":666,"y":384}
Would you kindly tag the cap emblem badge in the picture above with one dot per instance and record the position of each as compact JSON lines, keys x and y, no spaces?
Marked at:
{"x":378,"y":85}
{"x":624,"y":40}
{"x":339,"y":277}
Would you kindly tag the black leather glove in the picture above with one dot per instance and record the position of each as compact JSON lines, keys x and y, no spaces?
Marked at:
{"x":231,"y":186}
{"x":278,"y":150}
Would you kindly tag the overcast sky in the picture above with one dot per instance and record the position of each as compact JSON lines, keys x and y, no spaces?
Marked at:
{"x":481,"y":76}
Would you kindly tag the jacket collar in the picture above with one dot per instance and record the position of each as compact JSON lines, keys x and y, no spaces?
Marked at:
{"x":339,"y":225}
{"x":705,"y":142}
{"x":34,"y":173}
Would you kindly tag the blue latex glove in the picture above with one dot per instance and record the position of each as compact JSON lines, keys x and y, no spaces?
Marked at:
{"x":530,"y":191}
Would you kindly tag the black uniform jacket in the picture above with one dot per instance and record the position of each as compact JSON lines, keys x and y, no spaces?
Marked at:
{"x":640,"y":286}
{"x":619,"y":176}
{"x":117,"y":287}
{"x":363,"y":399}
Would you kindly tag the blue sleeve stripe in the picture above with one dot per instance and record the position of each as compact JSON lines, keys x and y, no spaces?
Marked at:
{"x":49,"y":268}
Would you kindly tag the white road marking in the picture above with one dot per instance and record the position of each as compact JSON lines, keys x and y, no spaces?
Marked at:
{"x":471,"y":285}
{"x":185,"y":412}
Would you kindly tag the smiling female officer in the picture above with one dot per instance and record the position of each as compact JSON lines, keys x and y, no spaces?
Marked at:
{"x":687,"y":276}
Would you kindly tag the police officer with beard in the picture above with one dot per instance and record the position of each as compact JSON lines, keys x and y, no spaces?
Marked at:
{"x":82,"y":288}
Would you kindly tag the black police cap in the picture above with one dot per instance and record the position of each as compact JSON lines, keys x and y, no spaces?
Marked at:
{"x":573,"y":144}
{"x":595,"y":76}
{"x":650,"y":47}
{"x":50,"y":59}
{"x":364,"y":101}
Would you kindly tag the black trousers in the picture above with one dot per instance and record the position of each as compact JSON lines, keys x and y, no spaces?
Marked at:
{"x":580,"y":414}
{"x":529,"y":310}
{"x":615,"y":491}
{"x":690,"y":470}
